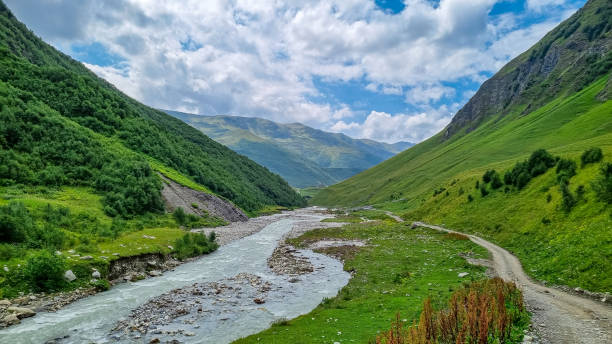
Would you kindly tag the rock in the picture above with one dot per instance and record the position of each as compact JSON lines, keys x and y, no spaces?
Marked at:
{"x":154,"y":340}
{"x":71,"y":251}
{"x":152,"y":263}
{"x":259,"y":301}
{"x":86,"y":257}
{"x":170,"y":247}
{"x":5,"y":303}
{"x":21,"y":312}
{"x":11,"y":319}
{"x":58,"y":253}
{"x":154,"y":273}
{"x":189,"y":334}
{"x":527,"y":339}
{"x":463,"y":274}
{"x":6,"y":269}
{"x":96,"y":274}
{"x":69,"y":276}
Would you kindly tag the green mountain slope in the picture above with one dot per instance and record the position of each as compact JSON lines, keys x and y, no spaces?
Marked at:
{"x":42,"y":85}
{"x":302,"y":155}
{"x":555,"y":96}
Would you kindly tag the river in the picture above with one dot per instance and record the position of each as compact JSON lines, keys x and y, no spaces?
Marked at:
{"x":92,"y":319}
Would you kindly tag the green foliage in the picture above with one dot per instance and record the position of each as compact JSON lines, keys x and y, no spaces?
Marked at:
{"x":603,"y":184}
{"x":568,"y":200}
{"x":483,"y":190}
{"x":538,"y":163}
{"x":180,"y":216}
{"x":470,"y":198}
{"x":566,"y":169}
{"x":62,"y":125}
{"x":194,"y":244}
{"x":17,"y":226}
{"x":44,"y":271}
{"x":591,"y":155}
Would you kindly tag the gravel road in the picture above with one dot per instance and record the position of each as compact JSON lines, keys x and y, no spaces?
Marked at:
{"x":558,"y":317}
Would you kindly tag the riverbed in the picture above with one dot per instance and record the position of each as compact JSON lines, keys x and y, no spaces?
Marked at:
{"x":209,"y":316}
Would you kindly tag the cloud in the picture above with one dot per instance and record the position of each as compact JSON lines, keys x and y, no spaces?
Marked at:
{"x":382,"y":126}
{"x":259,"y":58}
{"x":539,"y":5}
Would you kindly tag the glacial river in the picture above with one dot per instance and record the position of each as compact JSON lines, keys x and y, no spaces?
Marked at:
{"x":92,"y":319}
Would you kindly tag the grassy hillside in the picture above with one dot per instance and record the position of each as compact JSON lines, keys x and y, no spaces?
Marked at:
{"x":561,"y":104}
{"x":302,"y":155}
{"x":47,"y":81}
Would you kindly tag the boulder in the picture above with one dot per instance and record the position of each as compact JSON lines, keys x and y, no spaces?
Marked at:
{"x":10,"y":319}
{"x":5,"y":303}
{"x":86,"y":257}
{"x":21,"y":312}
{"x":96,"y":274}
{"x":154,"y":273}
{"x":463,"y":274}
{"x":69,"y":276}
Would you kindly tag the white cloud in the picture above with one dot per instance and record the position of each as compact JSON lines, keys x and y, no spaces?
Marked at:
{"x":259,"y":58}
{"x":539,"y":5}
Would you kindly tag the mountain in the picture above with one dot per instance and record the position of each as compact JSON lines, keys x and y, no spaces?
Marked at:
{"x":62,"y":125}
{"x":555,"y":96}
{"x":302,"y":155}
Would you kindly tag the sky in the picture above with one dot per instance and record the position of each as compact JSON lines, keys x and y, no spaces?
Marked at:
{"x":387,"y":70}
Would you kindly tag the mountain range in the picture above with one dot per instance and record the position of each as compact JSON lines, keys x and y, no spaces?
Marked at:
{"x":302,"y":155}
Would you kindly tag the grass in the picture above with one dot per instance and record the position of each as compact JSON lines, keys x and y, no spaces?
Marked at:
{"x":176,"y":176}
{"x":88,"y":231}
{"x":557,"y":247}
{"x":396,"y":272}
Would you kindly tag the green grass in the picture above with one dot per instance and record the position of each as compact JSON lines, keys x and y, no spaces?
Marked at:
{"x":88,"y":231}
{"x":573,"y":249}
{"x":395,"y":273}
{"x":176,"y":176}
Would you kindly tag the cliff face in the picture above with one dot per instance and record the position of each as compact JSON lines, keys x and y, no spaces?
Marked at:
{"x":568,"y":58}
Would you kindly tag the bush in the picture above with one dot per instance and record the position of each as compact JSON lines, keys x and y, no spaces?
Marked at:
{"x":591,"y":155}
{"x":483,"y":190}
{"x":488,"y":175}
{"x":496,"y":181}
{"x":538,"y":163}
{"x":180,"y":216}
{"x":470,"y":198}
{"x":193,"y":244}
{"x":602,"y":185}
{"x":566,"y":169}
{"x":568,"y":201}
{"x":44,"y":271}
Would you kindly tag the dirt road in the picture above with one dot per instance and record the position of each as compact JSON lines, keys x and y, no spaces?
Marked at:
{"x":558,"y":317}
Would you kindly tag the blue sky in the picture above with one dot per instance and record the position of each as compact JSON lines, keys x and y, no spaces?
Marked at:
{"x":387,"y":70}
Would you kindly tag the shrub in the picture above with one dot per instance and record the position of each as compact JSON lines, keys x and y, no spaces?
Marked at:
{"x":568,"y":201}
{"x":546,"y":221}
{"x":482,"y":312}
{"x":496,"y":181}
{"x":602,"y":185}
{"x":180,"y":216}
{"x":488,"y":175}
{"x":483,"y":190}
{"x":44,"y":271}
{"x":591,"y":155}
{"x":477,"y":186}
{"x":548,"y":198}
{"x":470,"y":198}
{"x":193,"y":244}
{"x":566,"y":169}
{"x":538,"y":163}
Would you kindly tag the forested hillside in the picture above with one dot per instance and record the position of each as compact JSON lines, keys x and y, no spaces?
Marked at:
{"x":79,"y":164}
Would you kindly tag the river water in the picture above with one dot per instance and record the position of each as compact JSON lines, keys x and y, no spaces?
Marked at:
{"x":92,"y":319}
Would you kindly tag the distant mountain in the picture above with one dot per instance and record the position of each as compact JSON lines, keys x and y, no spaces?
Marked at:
{"x":300,"y":154}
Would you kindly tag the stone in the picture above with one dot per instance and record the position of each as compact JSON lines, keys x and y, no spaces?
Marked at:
{"x":189,"y":334}
{"x":69,"y":276}
{"x":11,"y":319}
{"x":154,"y":273}
{"x":170,"y":247}
{"x":463,"y":274}
{"x":58,"y":253}
{"x":86,"y":257}
{"x":259,"y":301}
{"x":96,"y":274}
{"x":5,"y":303}
{"x":6,"y":269}
{"x":154,"y":340}
{"x":21,"y":312}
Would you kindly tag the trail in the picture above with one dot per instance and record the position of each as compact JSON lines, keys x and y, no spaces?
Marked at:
{"x":558,"y":317}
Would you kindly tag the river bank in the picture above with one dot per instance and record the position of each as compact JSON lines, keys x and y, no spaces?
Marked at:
{"x":95,"y":317}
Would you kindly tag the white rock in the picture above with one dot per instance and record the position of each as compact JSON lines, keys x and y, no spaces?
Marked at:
{"x":58,"y":253}
{"x":10,"y":319}
{"x":21,"y":312}
{"x":96,"y":274}
{"x":463,"y":274}
{"x":189,"y":334}
{"x":6,"y":269}
{"x":86,"y":257}
{"x":154,"y":273}
{"x":170,"y":247}
{"x":5,"y":303}
{"x":69,"y":275}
